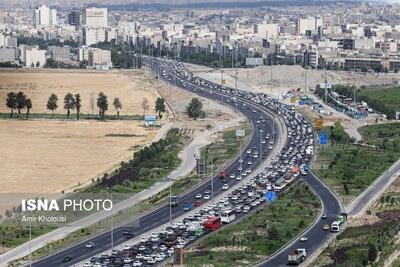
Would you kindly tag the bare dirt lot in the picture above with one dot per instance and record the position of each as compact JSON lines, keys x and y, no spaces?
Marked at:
{"x":130,"y":86}
{"x":50,"y":156}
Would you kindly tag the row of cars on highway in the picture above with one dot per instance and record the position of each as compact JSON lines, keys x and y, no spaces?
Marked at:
{"x":286,"y":167}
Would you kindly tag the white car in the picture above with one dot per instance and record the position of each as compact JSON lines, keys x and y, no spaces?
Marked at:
{"x":144,"y":239}
{"x":198,"y":196}
{"x":225,"y":187}
{"x":89,"y":245}
{"x":232,"y":176}
{"x":137,"y":263}
{"x":87,"y":264}
{"x":151,"y":261}
{"x":207,"y":197}
{"x":303,"y":238}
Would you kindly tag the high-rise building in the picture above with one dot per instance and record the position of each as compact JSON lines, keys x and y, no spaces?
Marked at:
{"x":93,"y":36}
{"x":74,"y":18}
{"x":309,"y":24}
{"x":95,"y":17}
{"x":44,"y":16}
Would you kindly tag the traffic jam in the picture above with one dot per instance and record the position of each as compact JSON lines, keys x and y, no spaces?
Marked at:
{"x":285,"y":168}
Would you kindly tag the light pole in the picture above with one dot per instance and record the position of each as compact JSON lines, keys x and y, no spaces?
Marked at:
{"x":112,"y":226}
{"x":170,"y":200}
{"x":30,"y":243}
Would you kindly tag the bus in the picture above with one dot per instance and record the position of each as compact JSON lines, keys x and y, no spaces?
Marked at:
{"x":212,"y":223}
{"x":228,"y":216}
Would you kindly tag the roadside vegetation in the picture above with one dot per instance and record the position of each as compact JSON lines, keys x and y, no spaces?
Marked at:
{"x":372,"y":242}
{"x":229,"y":143}
{"x":385,"y":100}
{"x":349,"y":168}
{"x":262,"y":233}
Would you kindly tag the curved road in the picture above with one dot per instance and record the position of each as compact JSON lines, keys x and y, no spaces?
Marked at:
{"x":160,"y":216}
{"x":317,"y":237}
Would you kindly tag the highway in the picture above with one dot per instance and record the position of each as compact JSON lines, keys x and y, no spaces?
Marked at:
{"x":160,"y":216}
{"x":317,"y":237}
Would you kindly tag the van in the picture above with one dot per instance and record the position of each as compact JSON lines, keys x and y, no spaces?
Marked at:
{"x":335,"y":227}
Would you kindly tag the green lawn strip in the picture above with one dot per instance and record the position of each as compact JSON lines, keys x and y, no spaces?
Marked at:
{"x":125,"y":215}
{"x":259,"y":235}
{"x":349,"y":168}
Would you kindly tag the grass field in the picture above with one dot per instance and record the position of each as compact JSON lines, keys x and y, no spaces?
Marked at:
{"x":259,"y":235}
{"x":130,"y":86}
{"x":350,"y":168}
{"x":390,"y":96}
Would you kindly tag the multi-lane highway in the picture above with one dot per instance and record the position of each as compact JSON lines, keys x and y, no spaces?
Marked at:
{"x":254,"y":112}
{"x":160,"y":216}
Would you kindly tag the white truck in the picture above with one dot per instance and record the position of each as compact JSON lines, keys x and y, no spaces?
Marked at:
{"x":194,"y":226}
{"x":298,"y":256}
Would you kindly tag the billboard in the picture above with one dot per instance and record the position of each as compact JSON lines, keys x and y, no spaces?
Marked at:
{"x":150,"y":120}
{"x":323,"y":138}
{"x":240,"y":133}
{"x":254,"y":61}
{"x":325,"y":85}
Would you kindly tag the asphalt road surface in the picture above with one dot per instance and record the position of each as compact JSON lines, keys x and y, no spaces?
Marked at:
{"x":160,"y":216}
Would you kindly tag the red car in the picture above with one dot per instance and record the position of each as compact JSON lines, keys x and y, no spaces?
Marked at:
{"x":197,"y":203}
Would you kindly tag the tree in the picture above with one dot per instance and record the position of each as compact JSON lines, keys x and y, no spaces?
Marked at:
{"x":102,"y":104}
{"x":52,"y":104}
{"x":145,"y":106}
{"x":11,"y":102}
{"x":21,"y":101}
{"x":117,"y":105}
{"x":160,"y":106}
{"x":78,"y":105}
{"x":28,"y":104}
{"x":69,"y":103}
{"x":372,"y":253}
{"x":194,"y":109}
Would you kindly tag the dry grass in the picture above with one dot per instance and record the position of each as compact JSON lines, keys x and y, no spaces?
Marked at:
{"x":130,"y":86}
{"x":50,"y":156}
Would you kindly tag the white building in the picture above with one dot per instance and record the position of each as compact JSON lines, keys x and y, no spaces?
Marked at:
{"x":35,"y":57}
{"x":44,"y":16}
{"x":95,"y":56}
{"x":100,"y":57}
{"x":7,"y":55}
{"x":93,"y":36}
{"x":95,"y":17}
{"x":309,"y":24}
{"x":269,"y":30}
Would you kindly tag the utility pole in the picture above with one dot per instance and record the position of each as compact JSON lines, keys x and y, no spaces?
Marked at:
{"x":170,"y":203}
{"x":30,"y":243}
{"x":112,"y":226}
{"x":305,"y":80}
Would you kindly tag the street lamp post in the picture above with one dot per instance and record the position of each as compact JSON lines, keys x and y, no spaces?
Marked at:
{"x":170,"y":200}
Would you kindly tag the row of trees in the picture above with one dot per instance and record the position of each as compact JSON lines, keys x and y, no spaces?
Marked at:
{"x":19,"y":101}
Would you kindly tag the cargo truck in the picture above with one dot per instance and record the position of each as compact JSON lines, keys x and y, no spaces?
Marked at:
{"x":298,"y":256}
